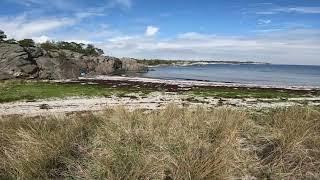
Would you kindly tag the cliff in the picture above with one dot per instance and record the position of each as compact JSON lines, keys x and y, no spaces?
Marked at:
{"x":35,"y":62}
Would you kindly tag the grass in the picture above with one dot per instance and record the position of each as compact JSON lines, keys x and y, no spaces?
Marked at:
{"x":247,"y":93}
{"x":173,"y":143}
{"x":32,"y":90}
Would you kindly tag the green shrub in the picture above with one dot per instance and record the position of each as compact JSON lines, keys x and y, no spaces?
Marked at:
{"x":27,"y":43}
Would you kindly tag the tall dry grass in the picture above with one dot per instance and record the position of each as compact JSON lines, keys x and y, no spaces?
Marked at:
{"x":289,"y":144}
{"x":173,"y":143}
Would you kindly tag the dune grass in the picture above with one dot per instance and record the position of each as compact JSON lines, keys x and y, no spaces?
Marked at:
{"x":173,"y":143}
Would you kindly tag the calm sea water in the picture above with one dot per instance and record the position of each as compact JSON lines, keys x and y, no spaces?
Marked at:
{"x":260,"y":74}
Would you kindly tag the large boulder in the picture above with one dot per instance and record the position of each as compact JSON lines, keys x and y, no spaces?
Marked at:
{"x":31,"y":62}
{"x":131,"y":65}
{"x":69,"y":65}
{"x":55,"y":68}
{"x":108,"y":65}
{"x":34,"y":52}
{"x":16,"y":63}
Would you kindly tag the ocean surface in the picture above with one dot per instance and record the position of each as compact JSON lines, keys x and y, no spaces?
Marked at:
{"x":258,"y":74}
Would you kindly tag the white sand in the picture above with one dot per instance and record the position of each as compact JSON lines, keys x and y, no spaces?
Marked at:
{"x":153,"y":101}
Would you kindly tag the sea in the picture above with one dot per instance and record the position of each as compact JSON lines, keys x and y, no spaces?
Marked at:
{"x":256,"y":74}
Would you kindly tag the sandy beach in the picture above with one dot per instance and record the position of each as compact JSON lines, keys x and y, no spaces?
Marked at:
{"x":155,"y":100}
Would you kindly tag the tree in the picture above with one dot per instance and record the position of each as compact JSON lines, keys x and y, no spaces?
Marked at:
{"x":90,"y":50}
{"x":27,"y":43}
{"x":48,"y":45}
{"x":2,"y":36}
{"x":99,"y":51}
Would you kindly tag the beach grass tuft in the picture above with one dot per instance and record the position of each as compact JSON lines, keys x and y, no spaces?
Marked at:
{"x":173,"y":143}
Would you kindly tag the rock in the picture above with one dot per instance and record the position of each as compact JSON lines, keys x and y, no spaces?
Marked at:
{"x":44,"y":106}
{"x":129,"y":64}
{"x":5,"y":76}
{"x":35,"y":52}
{"x":15,"y":62}
{"x":47,"y":67}
{"x":55,"y":68}
{"x":34,"y":62}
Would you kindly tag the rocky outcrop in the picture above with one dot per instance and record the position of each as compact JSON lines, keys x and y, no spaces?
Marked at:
{"x":129,"y":64}
{"x":34,"y":62}
{"x":15,"y":62}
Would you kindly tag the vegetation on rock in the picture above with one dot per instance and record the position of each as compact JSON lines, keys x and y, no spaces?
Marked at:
{"x":88,"y":50}
{"x":2,"y":36}
{"x":27,"y":43}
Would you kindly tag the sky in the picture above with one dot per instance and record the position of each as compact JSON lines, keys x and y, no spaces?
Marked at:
{"x":275,"y":31}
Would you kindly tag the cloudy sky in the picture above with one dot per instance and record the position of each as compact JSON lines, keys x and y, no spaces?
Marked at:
{"x":276,"y":31}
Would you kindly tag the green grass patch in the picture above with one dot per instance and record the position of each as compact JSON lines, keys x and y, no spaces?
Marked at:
{"x":32,"y":90}
{"x":246,"y":93}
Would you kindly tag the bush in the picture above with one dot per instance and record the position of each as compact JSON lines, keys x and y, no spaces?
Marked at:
{"x":11,"y":41}
{"x":88,"y":50}
{"x":2,"y":36}
{"x":49,"y":45}
{"x":27,"y":43}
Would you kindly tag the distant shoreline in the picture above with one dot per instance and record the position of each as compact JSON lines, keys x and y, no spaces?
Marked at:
{"x":160,"y":62}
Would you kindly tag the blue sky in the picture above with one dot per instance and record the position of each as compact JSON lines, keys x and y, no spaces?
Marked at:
{"x":276,"y":31}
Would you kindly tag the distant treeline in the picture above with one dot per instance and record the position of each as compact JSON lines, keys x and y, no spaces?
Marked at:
{"x":155,"y":62}
{"x":72,"y":46}
{"x":89,"y":49}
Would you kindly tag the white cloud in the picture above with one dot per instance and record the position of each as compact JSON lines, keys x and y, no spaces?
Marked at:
{"x":80,"y":41}
{"x":306,"y":10}
{"x":264,"y":21}
{"x":81,"y":15}
{"x":125,"y":3}
{"x":151,"y":31}
{"x":301,"y":10}
{"x":41,"y":39}
{"x":294,"y":47}
{"x":20,"y":27}
{"x":56,"y":4}
{"x":266,"y":12}
{"x":70,"y":5}
{"x":193,"y":35}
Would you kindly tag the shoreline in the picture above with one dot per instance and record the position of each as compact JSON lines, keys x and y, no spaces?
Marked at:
{"x":194,"y":83}
{"x":205,"y":63}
